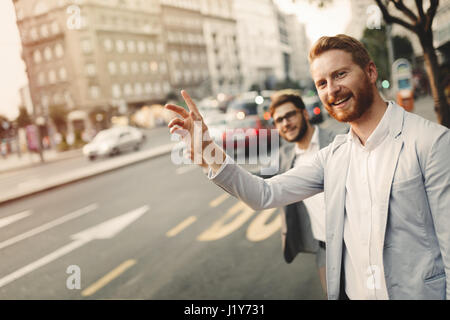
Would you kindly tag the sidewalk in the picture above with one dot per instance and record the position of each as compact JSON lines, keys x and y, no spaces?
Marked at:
{"x":14,"y":162}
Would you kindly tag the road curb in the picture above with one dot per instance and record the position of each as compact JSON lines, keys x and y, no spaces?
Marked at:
{"x":84,"y":173}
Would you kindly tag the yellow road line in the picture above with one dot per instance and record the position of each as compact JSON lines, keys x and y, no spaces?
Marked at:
{"x":173,"y":232}
{"x":214,"y":203}
{"x":93,"y":288}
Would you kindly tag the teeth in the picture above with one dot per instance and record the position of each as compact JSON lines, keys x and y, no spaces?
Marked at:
{"x":340,"y":101}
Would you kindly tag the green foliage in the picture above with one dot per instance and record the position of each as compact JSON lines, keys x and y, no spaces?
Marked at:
{"x":402,"y":48}
{"x":23,"y":119}
{"x":375,"y":42}
{"x":58,"y":114}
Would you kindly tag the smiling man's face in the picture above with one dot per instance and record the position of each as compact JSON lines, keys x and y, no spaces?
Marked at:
{"x":294,"y":124}
{"x":344,"y":88}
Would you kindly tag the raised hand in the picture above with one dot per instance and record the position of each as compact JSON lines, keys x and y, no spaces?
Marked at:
{"x":194,"y":130}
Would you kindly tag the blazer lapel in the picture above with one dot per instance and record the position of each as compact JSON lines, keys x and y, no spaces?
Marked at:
{"x":393,"y":149}
{"x":335,"y":179}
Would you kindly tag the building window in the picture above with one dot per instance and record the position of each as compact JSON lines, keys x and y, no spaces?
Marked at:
{"x":44,"y":31}
{"x":91,"y":69}
{"x":166,"y":87}
{"x":108,"y":45}
{"x":112,"y":68}
{"x":157,"y":88}
{"x":148,"y":88}
{"x":86,"y":46}
{"x":160,"y":48}
{"x":55,"y":27}
{"x":52,"y":76}
{"x":120,"y":46}
{"x":185,"y":56}
{"x":163,"y":68}
{"x":144,"y":67}
{"x":116,"y":92}
{"x":131,"y":46}
{"x":128,"y":90}
{"x":134,"y":67}
{"x":141,"y":47}
{"x":63,"y":74}
{"x":175,"y":56}
{"x":138,"y":89}
{"x":154,"y":66}
{"x":37,"y":57}
{"x":94,"y":91}
{"x":124,"y":67}
{"x":48,"y":54}
{"x":59,"y":51}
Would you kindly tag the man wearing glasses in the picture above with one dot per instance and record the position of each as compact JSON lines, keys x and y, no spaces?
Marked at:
{"x":303,"y":228}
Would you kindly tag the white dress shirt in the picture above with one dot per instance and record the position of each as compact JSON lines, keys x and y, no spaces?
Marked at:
{"x":363,"y":251}
{"x":315,"y":204}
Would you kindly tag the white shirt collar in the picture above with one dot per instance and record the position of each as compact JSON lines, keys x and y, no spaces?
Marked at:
{"x":314,"y":142}
{"x":378,"y":135}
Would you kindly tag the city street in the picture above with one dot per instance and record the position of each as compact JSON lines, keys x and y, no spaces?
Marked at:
{"x":204,"y":245}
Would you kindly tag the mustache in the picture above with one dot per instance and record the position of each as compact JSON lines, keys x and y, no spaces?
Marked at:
{"x":333,"y":99}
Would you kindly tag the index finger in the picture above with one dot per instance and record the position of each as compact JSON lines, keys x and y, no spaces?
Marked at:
{"x":191,"y":105}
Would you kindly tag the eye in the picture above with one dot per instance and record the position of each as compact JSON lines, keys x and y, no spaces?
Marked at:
{"x":321,"y":83}
{"x":341,"y":74}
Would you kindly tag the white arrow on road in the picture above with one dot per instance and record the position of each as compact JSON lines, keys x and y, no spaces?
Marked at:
{"x":105,"y":230}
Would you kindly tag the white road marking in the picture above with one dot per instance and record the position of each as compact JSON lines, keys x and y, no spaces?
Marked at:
{"x":16,"y":217}
{"x":104,"y":230}
{"x":183,"y":225}
{"x":48,"y":225}
{"x":217,"y":201}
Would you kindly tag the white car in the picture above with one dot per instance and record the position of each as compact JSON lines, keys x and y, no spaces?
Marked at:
{"x":113,"y":141}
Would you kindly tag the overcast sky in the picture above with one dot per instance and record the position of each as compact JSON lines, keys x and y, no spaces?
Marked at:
{"x":329,"y":21}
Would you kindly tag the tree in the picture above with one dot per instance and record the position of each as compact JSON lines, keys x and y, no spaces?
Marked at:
{"x":58,"y":114}
{"x":375,"y":42}
{"x":402,"y":48}
{"x":23,"y":119}
{"x":420,"y":23}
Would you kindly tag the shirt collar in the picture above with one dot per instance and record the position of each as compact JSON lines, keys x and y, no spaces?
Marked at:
{"x":314,"y":141}
{"x":378,"y":135}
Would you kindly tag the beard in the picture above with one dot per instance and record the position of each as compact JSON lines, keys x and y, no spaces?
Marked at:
{"x":363,"y":99}
{"x":301,"y":132}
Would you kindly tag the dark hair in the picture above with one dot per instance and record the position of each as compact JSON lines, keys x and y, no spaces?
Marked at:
{"x":284,"y":96}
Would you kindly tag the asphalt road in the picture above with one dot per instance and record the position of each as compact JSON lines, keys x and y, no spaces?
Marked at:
{"x":178,"y":245}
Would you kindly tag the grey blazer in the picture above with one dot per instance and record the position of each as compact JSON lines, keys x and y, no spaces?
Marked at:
{"x":414,"y":202}
{"x":296,"y":232}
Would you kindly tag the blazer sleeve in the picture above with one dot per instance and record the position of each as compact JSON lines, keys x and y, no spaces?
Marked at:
{"x":437,"y":186}
{"x":294,"y":185}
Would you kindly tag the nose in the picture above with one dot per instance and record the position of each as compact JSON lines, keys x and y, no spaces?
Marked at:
{"x":333,"y":90}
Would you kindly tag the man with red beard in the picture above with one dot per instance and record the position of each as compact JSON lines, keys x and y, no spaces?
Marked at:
{"x":386,"y":183}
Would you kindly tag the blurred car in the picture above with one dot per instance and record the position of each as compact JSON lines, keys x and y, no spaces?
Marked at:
{"x":217,"y":124}
{"x":314,"y":107}
{"x":248,"y":104}
{"x":246,"y":133}
{"x":113,"y":141}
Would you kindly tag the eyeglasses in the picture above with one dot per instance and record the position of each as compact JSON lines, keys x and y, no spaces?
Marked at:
{"x":288,"y":116}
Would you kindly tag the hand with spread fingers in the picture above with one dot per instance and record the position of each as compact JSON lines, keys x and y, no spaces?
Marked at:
{"x":195,"y":133}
